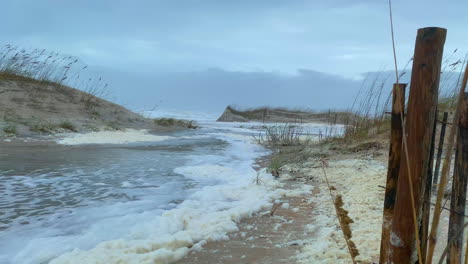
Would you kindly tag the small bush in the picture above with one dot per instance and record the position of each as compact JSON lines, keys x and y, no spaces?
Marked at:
{"x":165,"y":121}
{"x":91,"y":127}
{"x":112,"y":125}
{"x":43,"y":127}
{"x":274,"y":167}
{"x":175,"y":122}
{"x":68,"y":126}
{"x":10,"y":130}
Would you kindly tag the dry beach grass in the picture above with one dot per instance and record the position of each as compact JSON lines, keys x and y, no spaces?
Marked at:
{"x":37,"y":98}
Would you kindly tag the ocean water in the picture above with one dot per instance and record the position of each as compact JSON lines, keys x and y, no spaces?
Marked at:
{"x":145,"y":202}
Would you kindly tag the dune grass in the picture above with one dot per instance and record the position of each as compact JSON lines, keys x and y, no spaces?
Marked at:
{"x":368,"y":115}
{"x":49,"y":67}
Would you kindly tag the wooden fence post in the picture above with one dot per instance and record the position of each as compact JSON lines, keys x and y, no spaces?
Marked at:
{"x":394,"y":158}
{"x":458,"y":199}
{"x":440,"y":149}
{"x":422,"y":104}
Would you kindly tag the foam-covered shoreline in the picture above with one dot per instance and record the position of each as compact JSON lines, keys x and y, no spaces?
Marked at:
{"x":227,"y":191}
{"x":231,"y":194}
{"x":111,"y":137}
{"x":195,"y":222}
{"x":363,"y":201}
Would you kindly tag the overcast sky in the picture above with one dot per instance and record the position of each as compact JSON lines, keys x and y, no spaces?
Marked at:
{"x":202,"y":55}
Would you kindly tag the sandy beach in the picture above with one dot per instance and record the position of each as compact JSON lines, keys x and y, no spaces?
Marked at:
{"x":304,"y":228}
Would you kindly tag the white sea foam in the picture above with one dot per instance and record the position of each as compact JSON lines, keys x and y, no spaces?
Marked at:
{"x":227,"y":192}
{"x":208,"y":215}
{"x":111,"y":137}
{"x":363,"y":201}
{"x":140,"y":232}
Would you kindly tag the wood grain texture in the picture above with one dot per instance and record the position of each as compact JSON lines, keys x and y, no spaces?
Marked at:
{"x":422,"y":105}
{"x":394,"y":160}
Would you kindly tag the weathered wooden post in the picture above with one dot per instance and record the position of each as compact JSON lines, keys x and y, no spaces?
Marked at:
{"x":422,"y":104}
{"x":440,"y":149}
{"x":394,"y":159}
{"x":460,"y":176}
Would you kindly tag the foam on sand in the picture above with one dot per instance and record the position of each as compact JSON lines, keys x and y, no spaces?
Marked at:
{"x":208,"y":215}
{"x":358,"y":182}
{"x":228,"y":193}
{"x":111,"y":137}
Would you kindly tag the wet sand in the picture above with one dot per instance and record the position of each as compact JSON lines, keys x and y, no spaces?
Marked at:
{"x":264,"y":238}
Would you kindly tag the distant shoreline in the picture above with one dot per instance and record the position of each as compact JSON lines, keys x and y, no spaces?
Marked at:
{"x":281,"y":115}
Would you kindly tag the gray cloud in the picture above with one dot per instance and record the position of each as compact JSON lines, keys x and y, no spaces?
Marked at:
{"x":213,"y":89}
{"x":259,"y":45}
{"x":341,"y":37}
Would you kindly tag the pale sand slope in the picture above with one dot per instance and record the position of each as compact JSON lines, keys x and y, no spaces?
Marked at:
{"x":36,"y":108}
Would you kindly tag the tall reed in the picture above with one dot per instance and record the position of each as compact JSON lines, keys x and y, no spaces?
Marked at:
{"x":50,"y":67}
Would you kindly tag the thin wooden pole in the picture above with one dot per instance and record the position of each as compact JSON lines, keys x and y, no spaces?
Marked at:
{"x":444,"y":173}
{"x":422,"y":104}
{"x":426,"y":202}
{"x":394,"y":159}
{"x":458,"y":199}
{"x":440,"y":149}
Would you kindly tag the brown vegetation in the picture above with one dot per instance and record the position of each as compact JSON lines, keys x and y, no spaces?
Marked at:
{"x":37,"y":98}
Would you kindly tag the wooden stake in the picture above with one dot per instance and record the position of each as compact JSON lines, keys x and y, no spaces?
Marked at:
{"x":440,"y":149}
{"x":394,"y":159}
{"x":444,"y":173}
{"x":422,"y":106}
{"x":426,"y":201}
{"x":458,"y":199}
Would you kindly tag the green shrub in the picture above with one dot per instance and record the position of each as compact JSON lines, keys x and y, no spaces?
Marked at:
{"x":175,"y":122}
{"x":91,"y":127}
{"x":112,"y":125}
{"x":68,"y":126}
{"x":43,"y":127}
{"x":165,"y":121}
{"x":10,"y":130}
